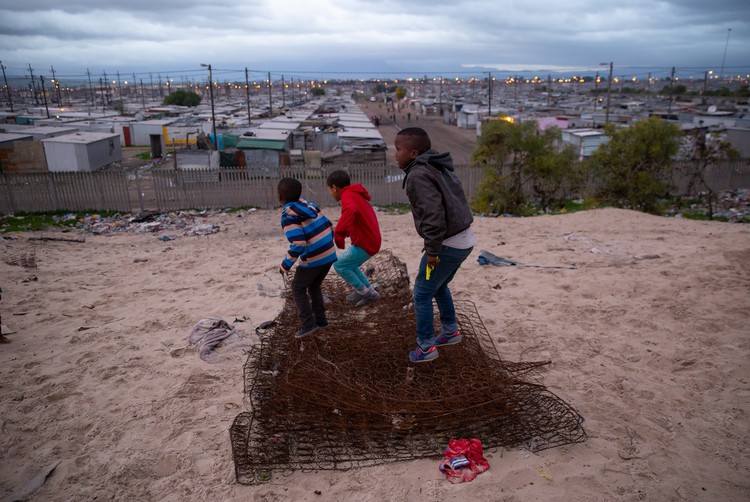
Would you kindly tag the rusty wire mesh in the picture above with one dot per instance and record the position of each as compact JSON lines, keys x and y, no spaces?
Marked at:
{"x":348,"y":396}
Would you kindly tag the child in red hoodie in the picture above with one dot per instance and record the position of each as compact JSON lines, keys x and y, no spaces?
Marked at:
{"x":359,"y":223}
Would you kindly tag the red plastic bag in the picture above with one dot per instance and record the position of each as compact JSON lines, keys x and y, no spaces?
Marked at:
{"x":469,"y":448}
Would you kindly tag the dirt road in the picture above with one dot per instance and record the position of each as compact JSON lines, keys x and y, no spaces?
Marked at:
{"x":445,"y":138}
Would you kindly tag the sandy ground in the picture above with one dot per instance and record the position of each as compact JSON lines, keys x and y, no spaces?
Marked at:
{"x":652,"y":352}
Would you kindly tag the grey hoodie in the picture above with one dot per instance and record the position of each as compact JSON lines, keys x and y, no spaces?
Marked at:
{"x":438,"y":202}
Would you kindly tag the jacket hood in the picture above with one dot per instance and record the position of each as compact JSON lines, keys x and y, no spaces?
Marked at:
{"x":442,"y":161}
{"x":302,"y":209}
{"x":358,"y":189}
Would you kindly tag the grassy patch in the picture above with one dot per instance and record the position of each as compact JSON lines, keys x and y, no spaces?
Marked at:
{"x":23,"y":222}
{"x":240,"y":208}
{"x":143,"y":156}
{"x":396,"y":208}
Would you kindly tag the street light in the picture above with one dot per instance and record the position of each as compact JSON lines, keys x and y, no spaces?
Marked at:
{"x":609,"y":90}
{"x":211,"y":92}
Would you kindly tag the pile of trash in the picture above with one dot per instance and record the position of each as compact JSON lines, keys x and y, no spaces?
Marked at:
{"x":732,"y":206}
{"x":184,"y":222}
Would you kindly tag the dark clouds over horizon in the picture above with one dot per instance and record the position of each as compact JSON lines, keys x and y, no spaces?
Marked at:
{"x":374,"y":36}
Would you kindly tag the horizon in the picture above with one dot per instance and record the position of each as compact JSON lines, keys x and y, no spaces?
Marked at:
{"x":375,"y":39}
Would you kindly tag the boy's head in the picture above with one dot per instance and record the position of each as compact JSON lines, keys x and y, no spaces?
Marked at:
{"x":289,"y":190}
{"x":336,"y":182}
{"x":411,"y":143}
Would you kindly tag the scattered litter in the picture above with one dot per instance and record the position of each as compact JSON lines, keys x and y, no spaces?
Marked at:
{"x":151,"y":222}
{"x":544,"y":474}
{"x":647,"y":256}
{"x":463,"y":460}
{"x":204,"y":229}
{"x":140,"y":260}
{"x":212,"y":334}
{"x":487,"y":258}
{"x":31,"y":278}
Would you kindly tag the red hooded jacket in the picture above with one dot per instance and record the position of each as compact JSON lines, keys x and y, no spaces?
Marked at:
{"x":358,"y":220}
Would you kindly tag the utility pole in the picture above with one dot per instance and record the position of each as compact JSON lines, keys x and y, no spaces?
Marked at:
{"x":549,"y":90}
{"x":91,"y":88}
{"x":293,"y":101}
{"x":151,"y":87}
{"x":609,"y":93}
{"x":247,"y":98}
{"x":596,"y":89}
{"x":33,"y":85}
{"x":724,"y":59}
{"x":671,"y":93}
{"x":489,"y":100}
{"x":106,"y":86}
{"x":705,"y":82}
{"x":57,"y":87}
{"x":135,"y":86}
{"x":161,"y":89}
{"x":7,"y":87}
{"x":44,"y":94}
{"x":104,"y":102}
{"x":441,"y":95}
{"x":143,"y":95}
{"x":270,"y":102}
{"x":213,"y":114}
{"x":283,"y":93}
{"x":119,"y":87}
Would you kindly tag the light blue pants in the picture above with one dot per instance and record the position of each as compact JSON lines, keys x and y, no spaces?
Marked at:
{"x":347,"y":266}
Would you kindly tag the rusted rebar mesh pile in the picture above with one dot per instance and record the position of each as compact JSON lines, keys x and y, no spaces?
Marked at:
{"x":347,"y":396}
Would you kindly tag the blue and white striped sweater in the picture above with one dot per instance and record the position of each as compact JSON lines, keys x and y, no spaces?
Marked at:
{"x":309,"y":233}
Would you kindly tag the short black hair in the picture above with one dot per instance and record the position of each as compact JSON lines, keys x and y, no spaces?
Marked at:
{"x":338,"y":179}
{"x":290,"y":189}
{"x":418,"y":137}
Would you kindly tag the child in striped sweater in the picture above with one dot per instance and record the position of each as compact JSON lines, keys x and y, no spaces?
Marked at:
{"x":310,"y":235}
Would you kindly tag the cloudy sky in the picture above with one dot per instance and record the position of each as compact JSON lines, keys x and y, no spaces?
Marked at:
{"x":379,"y":37}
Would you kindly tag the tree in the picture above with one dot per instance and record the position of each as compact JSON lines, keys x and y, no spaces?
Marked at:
{"x":318,"y":91}
{"x":704,"y":149}
{"x":516,"y":156}
{"x":181,"y":97}
{"x":676,"y":90}
{"x":633,"y":166}
{"x":400,"y":93}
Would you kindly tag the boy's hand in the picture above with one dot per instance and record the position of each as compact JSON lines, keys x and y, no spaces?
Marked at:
{"x":432,"y":260}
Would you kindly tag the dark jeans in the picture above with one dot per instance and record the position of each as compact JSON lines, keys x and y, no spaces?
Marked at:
{"x":437,"y":288}
{"x":308,"y":296}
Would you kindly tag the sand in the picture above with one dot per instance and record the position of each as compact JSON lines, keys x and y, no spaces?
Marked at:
{"x":653,"y":352}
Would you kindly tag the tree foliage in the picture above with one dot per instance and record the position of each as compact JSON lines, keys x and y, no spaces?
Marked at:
{"x":633,"y":167}
{"x":518,"y":157}
{"x":400,"y":93}
{"x":181,"y":97}
{"x":703,"y":150}
{"x":318,"y":91}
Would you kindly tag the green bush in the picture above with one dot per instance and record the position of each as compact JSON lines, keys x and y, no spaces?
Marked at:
{"x":632,"y":166}
{"x":182,"y":98}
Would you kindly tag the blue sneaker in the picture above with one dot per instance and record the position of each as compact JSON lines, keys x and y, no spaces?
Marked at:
{"x":420,"y":356}
{"x":306,"y":331}
{"x":448,"y":338}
